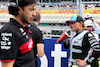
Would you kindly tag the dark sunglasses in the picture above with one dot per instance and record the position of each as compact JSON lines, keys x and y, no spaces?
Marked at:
{"x":89,"y":26}
{"x":86,"y":18}
{"x":90,"y":17}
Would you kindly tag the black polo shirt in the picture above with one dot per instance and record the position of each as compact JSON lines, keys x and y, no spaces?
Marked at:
{"x":37,"y":37}
{"x":16,"y":45}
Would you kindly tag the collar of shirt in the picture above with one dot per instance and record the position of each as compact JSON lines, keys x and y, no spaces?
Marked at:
{"x":80,"y":31}
{"x":16,"y":23}
{"x":19,"y":25}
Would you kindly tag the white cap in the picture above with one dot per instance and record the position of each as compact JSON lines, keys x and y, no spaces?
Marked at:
{"x":88,"y":23}
{"x":87,"y":15}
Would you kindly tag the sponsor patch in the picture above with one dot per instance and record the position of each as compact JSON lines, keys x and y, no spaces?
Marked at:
{"x":5,"y":40}
{"x":75,"y":41}
{"x":21,"y":29}
{"x":90,"y":35}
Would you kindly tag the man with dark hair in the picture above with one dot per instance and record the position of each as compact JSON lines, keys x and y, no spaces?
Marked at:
{"x":81,"y":44}
{"x":16,"y":44}
{"x":37,"y":38}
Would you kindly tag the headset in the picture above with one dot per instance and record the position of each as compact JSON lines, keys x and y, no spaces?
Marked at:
{"x":13,"y":7}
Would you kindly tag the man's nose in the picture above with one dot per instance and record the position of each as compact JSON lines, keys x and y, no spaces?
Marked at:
{"x":34,"y":13}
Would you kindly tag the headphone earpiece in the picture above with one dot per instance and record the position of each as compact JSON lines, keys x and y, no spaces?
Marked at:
{"x":13,"y":9}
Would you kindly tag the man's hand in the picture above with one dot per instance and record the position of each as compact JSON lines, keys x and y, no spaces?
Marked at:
{"x":81,"y":62}
{"x":65,"y":40}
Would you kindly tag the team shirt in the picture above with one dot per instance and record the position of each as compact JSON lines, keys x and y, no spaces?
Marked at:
{"x":80,"y":49}
{"x":16,"y":45}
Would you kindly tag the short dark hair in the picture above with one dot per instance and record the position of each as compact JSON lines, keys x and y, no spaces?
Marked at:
{"x":23,"y":3}
{"x":13,"y":8}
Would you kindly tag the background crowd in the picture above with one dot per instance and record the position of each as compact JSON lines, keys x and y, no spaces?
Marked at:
{"x":57,"y":5}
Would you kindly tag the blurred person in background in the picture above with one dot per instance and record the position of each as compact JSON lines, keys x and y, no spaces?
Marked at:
{"x":64,"y":5}
{"x":16,"y":44}
{"x":97,"y":5}
{"x":89,"y":5}
{"x":86,"y":6}
{"x":95,"y":25}
{"x":67,"y":5}
{"x":50,"y":5}
{"x":89,"y":27}
{"x":3,"y":6}
{"x":37,"y":38}
{"x":46,"y":5}
{"x":81,"y":44}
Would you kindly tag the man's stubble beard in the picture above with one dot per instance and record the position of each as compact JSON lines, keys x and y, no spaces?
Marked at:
{"x":23,"y":19}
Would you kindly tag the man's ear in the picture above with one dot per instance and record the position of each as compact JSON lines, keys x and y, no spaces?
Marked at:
{"x":20,"y":10}
{"x":38,"y":22}
{"x":81,"y":22}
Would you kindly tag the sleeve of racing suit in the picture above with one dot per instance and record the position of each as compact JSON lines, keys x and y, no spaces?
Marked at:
{"x":96,"y":26}
{"x":94,"y":45}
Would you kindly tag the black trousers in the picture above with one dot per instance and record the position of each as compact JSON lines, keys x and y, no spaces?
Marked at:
{"x":95,"y":64}
{"x":36,"y":62}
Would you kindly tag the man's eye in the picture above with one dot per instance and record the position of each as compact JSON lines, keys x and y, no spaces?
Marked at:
{"x":31,"y":9}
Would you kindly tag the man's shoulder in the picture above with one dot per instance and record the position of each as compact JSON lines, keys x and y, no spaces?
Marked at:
{"x":34,"y":28}
{"x":7,"y":27}
{"x":10,"y":28}
{"x":89,"y":34}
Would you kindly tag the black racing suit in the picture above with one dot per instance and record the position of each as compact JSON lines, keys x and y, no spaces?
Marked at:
{"x":89,"y":41}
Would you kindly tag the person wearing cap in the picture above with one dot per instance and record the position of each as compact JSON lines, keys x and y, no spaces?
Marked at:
{"x":89,"y":27}
{"x":95,"y":25}
{"x":81,"y":44}
{"x":37,"y":37}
